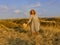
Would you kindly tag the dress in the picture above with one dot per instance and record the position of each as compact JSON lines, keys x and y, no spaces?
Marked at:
{"x":34,"y":23}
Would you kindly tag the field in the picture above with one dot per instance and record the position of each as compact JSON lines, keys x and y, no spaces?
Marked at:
{"x":14,"y":32}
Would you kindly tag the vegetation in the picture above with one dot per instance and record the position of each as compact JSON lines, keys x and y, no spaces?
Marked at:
{"x":12,"y":32}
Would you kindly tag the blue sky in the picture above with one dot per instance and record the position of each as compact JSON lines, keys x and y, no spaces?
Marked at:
{"x":21,"y":8}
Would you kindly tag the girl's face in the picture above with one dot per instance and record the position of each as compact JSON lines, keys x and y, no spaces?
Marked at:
{"x":33,"y":13}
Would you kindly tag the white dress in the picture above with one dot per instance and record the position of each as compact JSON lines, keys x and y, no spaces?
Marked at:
{"x":34,"y":23}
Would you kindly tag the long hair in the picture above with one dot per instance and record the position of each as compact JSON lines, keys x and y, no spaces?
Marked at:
{"x":31,"y":12}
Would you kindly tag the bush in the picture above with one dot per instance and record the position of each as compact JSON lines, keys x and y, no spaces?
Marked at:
{"x":56,"y":39}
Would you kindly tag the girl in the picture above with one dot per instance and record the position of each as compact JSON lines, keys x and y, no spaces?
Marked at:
{"x":34,"y":22}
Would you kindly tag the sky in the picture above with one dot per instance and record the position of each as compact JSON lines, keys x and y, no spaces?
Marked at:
{"x":20,"y":8}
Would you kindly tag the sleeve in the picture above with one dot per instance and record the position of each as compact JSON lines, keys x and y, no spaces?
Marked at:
{"x":30,"y":19}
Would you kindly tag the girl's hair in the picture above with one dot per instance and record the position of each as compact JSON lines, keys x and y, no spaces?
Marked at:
{"x":31,"y":11}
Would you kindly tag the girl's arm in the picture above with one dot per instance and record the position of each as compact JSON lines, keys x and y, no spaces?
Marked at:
{"x":30,"y":20}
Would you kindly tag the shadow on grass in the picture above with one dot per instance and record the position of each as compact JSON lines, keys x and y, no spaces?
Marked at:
{"x":20,"y":30}
{"x":19,"y":41}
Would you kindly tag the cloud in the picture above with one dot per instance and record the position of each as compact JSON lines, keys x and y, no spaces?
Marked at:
{"x":13,"y":7}
{"x":51,"y":2}
{"x":32,"y":6}
{"x":17,"y":11}
{"x":4,"y":8}
{"x":35,"y":5}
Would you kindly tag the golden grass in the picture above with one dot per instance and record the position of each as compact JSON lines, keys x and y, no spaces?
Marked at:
{"x":16,"y":32}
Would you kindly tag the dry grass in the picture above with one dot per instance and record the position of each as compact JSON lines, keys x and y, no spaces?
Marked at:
{"x":14,"y":32}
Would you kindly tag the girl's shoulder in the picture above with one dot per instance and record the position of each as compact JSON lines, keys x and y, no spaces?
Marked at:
{"x":36,"y":15}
